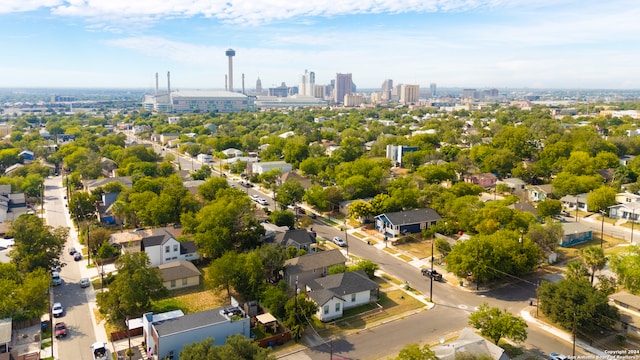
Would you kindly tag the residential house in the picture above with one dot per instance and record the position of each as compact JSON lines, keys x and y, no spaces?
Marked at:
{"x":625,"y":160}
{"x":298,"y":238}
{"x":5,"y":338}
{"x":540,"y":192}
{"x":12,"y":205}
{"x":205,"y":158}
{"x":27,"y":156}
{"x":160,"y":245}
{"x":105,"y":215}
{"x":575,"y":233}
{"x":12,"y":168}
{"x":486,"y":180}
{"x":467,"y":344}
{"x":514,"y":184}
{"x":294,"y":176}
{"x":179,"y":274}
{"x":406,"y":222}
{"x":338,"y":292}
{"x":311,"y":266}
{"x":524,"y":207}
{"x":258,"y":168}
{"x":166,"y":338}
{"x":231,"y":152}
{"x":193,"y":185}
{"x":90,"y":185}
{"x":165,"y":138}
{"x":573,"y":202}
{"x":163,"y":248}
{"x":629,"y":309}
{"x":629,"y":211}
{"x":108,"y":167}
{"x":626,"y":197}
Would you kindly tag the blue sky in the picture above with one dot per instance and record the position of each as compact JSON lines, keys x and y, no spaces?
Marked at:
{"x":454,"y":43}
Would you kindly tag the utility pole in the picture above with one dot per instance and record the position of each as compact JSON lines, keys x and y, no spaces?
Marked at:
{"x":602,"y":212}
{"x":431,"y":281}
{"x":574,"y":334}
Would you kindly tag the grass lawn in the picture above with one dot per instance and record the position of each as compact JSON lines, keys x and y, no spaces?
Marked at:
{"x":404,"y":257}
{"x":420,"y":249}
{"x":393,"y":303}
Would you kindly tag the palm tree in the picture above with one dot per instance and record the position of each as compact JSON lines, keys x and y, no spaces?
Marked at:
{"x":594,"y":258}
{"x":576,"y":270}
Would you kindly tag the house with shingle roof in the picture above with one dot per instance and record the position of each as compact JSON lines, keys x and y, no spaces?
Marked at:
{"x":160,"y":245}
{"x":179,"y":274}
{"x":311,"y":266}
{"x":406,"y":222}
{"x":298,"y":238}
{"x":338,"y":292}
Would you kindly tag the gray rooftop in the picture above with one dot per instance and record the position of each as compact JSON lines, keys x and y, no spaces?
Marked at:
{"x":413,"y":216}
{"x":191,"y":321}
{"x":339,"y":285}
{"x":315,"y":260}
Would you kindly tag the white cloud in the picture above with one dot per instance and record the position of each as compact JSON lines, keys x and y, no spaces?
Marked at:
{"x":12,"y":6}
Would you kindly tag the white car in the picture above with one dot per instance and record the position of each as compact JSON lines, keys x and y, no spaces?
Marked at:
{"x":555,"y":356}
{"x":254,"y":197}
{"x":339,"y":241}
{"x":57,"y":310}
{"x":262,"y":201}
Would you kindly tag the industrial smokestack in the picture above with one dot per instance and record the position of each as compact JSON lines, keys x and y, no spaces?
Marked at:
{"x":230,"y":54}
{"x":243,"y":83}
{"x":226,"y":83}
{"x":156,"y":84}
{"x":169,"y":82}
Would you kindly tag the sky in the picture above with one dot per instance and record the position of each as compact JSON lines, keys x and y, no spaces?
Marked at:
{"x":565,"y":44}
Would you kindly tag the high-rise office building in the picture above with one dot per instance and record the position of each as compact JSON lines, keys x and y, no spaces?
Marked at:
{"x":387,"y":87}
{"x":469,"y":94}
{"x":258,"y":86}
{"x":342,"y":87}
{"x":307,"y":82}
{"x":433,"y":89}
{"x":409,"y":94}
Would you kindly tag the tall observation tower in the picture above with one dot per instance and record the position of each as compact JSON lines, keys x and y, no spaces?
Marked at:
{"x":230,"y":54}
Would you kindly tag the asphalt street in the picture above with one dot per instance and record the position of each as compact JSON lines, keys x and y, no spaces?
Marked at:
{"x":77,"y":317}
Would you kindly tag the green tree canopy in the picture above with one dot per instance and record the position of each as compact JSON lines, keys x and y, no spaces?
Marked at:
{"x":627,"y":267}
{"x":37,"y":246}
{"x":237,"y":347}
{"x":496,"y":324}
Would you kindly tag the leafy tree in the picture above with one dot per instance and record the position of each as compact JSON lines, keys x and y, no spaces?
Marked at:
{"x":289,"y":193}
{"x":576,"y":270}
{"x":627,"y":268}
{"x":601,"y":198}
{"x":237,"y":347}
{"x":415,"y":352}
{"x":368,"y":266}
{"x":273,"y":258}
{"x":82,"y":206}
{"x":496,"y":324}
{"x":549,"y":207}
{"x":275,"y":297}
{"x":226,"y":223}
{"x":210,"y":188}
{"x":337,"y":269}
{"x":316,"y":197}
{"x":443,"y":246}
{"x":593,"y":257}
{"x":546,"y":236}
{"x":25,"y":294}
{"x":97,"y":237}
{"x":566,"y":183}
{"x":283,"y":218}
{"x":223,"y":270}
{"x":574,"y":300}
{"x":201,"y":174}
{"x":37,"y":246}
{"x":298,"y":311}
{"x":133,"y":288}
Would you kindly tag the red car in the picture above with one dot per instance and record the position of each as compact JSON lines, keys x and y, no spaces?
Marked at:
{"x":60,"y":330}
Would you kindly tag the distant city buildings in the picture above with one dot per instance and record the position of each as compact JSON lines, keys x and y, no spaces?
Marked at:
{"x":434,"y":92}
{"x":387,"y":87}
{"x":343,"y":85}
{"x":409,"y":94}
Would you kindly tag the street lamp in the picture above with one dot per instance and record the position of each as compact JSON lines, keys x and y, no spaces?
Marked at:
{"x":633,"y":220}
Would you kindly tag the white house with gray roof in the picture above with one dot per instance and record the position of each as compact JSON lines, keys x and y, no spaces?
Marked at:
{"x":311,"y":266}
{"x":335,"y":293}
{"x":168,"y":337}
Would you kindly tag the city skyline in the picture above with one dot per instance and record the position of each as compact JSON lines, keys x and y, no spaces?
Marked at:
{"x":454,"y":43}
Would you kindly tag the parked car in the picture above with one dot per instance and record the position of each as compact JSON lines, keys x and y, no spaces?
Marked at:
{"x":57,"y":310}
{"x":77,"y":256}
{"x":339,"y":241}
{"x":60,"y":330}
{"x":432,"y":274}
{"x":55,"y":278}
{"x":254,"y":197}
{"x":72,"y":250}
{"x":263,"y":202}
{"x":100,"y":351}
{"x":312,"y":215}
{"x":554,"y":356}
{"x":84,"y":282}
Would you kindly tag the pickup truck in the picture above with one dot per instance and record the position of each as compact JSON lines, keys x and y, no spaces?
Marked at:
{"x":432,"y":273}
